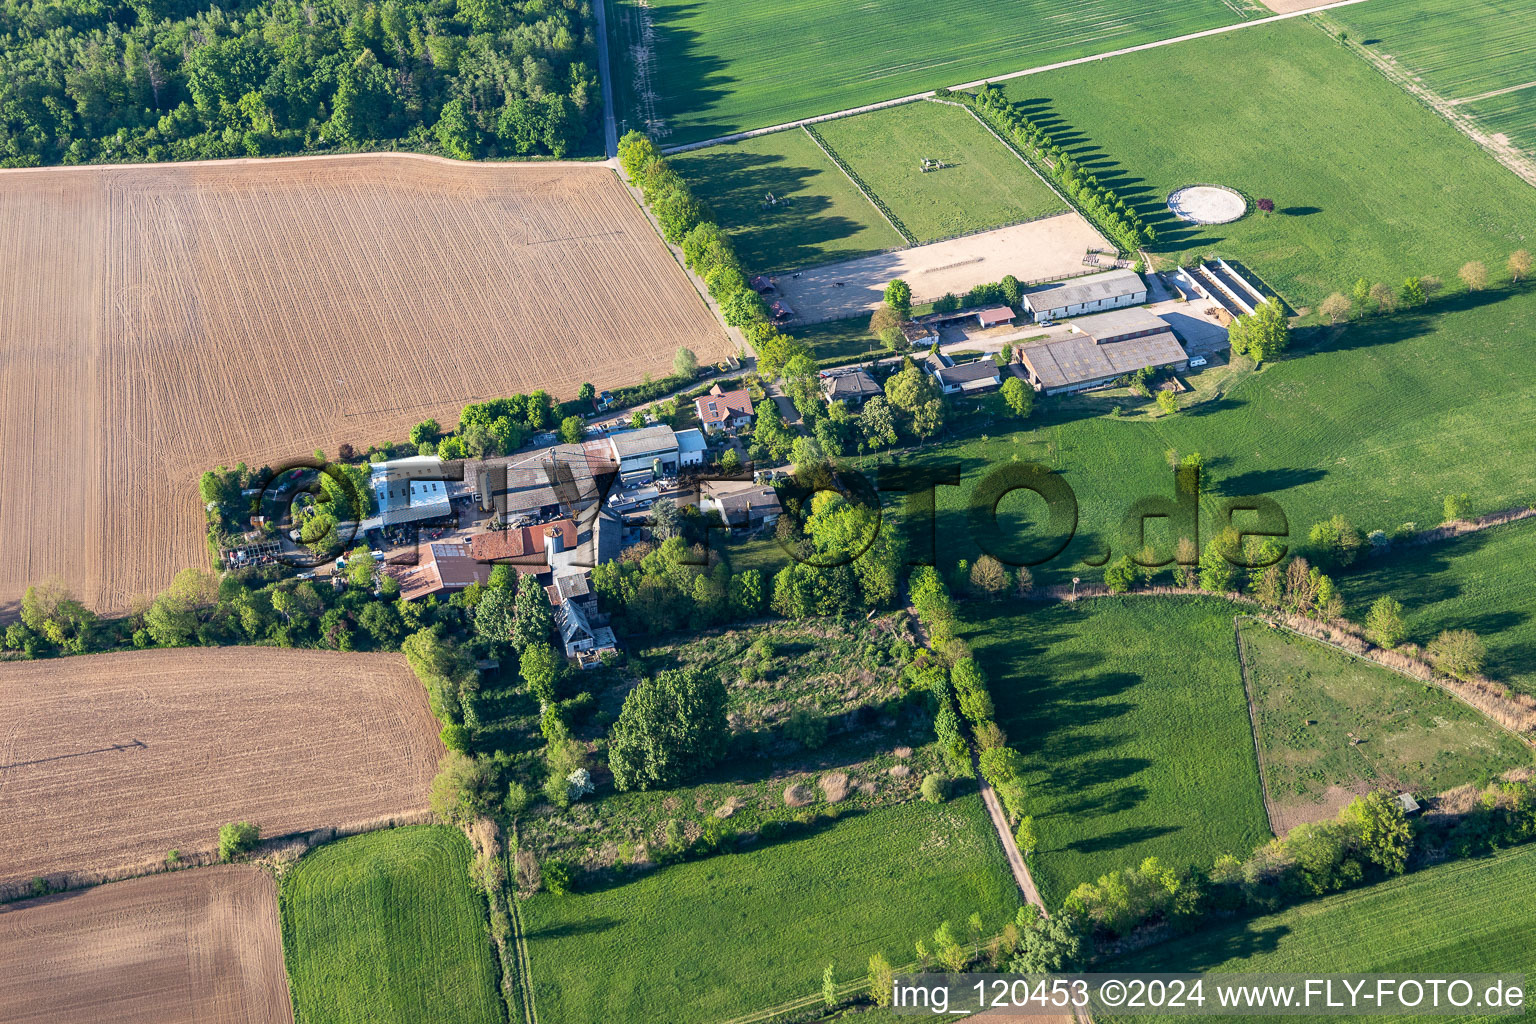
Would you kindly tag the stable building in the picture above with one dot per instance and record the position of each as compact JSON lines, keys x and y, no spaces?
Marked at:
{"x":1101,"y":350}
{"x":1092,"y":293}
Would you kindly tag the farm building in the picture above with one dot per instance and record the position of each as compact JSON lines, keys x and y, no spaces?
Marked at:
{"x":1093,"y":293}
{"x":967,"y":378}
{"x":547,"y":482}
{"x":850,"y":386}
{"x":441,"y":568}
{"x":920,"y":334}
{"x":584,"y":630}
{"x":691,"y":448}
{"x":724,"y":410}
{"x":644,"y":453}
{"x":742,"y":505}
{"x":521,"y":547}
{"x":994,"y":316}
{"x":1101,"y":349}
{"x":405,"y":491}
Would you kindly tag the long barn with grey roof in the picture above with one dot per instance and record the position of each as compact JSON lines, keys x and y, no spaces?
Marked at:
{"x":1093,"y":293}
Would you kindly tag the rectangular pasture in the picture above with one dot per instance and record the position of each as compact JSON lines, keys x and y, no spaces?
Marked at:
{"x":737,"y":933}
{"x":1470,"y":916}
{"x":694,"y":71}
{"x":108,"y":761}
{"x":386,"y":928}
{"x":1332,"y":727}
{"x":190,"y":947}
{"x":156,"y":321}
{"x":1133,"y":724}
{"x":983,"y":184}
{"x":1355,"y":200}
{"x":820,"y":215}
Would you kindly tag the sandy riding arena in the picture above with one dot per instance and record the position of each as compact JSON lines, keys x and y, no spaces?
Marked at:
{"x":156,"y":321}
{"x":1041,"y":250}
{"x":109,"y":761}
{"x":1207,"y":204}
{"x":193,"y":947}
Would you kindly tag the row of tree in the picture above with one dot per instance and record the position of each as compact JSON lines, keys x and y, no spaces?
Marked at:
{"x":1365,"y":299}
{"x":686,"y":222}
{"x":1117,"y":218}
{"x":128,"y":80}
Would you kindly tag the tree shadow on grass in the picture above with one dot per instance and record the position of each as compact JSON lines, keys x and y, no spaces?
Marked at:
{"x":590,"y":926}
{"x":1121,"y":838}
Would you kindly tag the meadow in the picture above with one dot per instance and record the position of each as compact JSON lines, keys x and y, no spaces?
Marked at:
{"x":1283,"y":112}
{"x":386,"y":927}
{"x":734,"y":933}
{"x":983,"y":184}
{"x":1131,"y":718}
{"x":1480,"y":581}
{"x":1332,"y":726}
{"x":1379,"y":422}
{"x":1460,"y":52}
{"x":819,"y":217}
{"x":1468,"y":916}
{"x":719,"y":68}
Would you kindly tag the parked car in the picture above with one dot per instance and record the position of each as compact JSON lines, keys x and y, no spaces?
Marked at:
{"x":1197,"y":361}
{"x":1045,"y":323}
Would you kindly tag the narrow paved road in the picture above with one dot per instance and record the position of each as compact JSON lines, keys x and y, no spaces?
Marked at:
{"x":605,"y":75}
{"x":1014,"y":74}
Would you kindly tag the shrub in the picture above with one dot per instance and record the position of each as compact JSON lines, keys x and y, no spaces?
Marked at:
{"x":807,"y":728}
{"x":935,"y":787}
{"x":237,"y":839}
{"x":558,"y":877}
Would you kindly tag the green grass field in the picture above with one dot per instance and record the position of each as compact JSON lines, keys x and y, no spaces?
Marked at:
{"x":820,"y":217}
{"x":385,"y":927}
{"x":1460,"y":51}
{"x":728,"y":66}
{"x":985,"y":185}
{"x":838,"y":342}
{"x":1284,"y":112}
{"x":1312,"y":701}
{"x":1381,"y":425}
{"x":1131,"y":717}
{"x":1476,"y":916}
{"x":1480,"y":582}
{"x":734,"y":933}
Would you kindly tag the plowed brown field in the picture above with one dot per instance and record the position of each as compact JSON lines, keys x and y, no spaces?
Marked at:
{"x":193,"y":947}
{"x":156,"y":321}
{"x":109,"y":761}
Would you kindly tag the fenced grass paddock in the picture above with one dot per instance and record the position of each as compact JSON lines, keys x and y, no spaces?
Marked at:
{"x":815,"y":213}
{"x":718,"y":938}
{"x":1332,"y":726}
{"x":1132,"y":721}
{"x":971,"y":182}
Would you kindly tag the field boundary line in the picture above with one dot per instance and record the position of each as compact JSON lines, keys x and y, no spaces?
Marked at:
{"x":1492,"y":93}
{"x":1510,"y":156}
{"x":1253,"y":719}
{"x":858,"y":183}
{"x":524,"y":964}
{"x":1008,"y":76}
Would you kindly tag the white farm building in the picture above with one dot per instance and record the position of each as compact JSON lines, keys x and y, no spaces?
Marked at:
{"x":1093,"y":293}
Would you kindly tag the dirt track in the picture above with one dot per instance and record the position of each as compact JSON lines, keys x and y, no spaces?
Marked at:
{"x":156,"y":321}
{"x":1040,"y":250}
{"x":193,"y":947}
{"x":109,"y":761}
